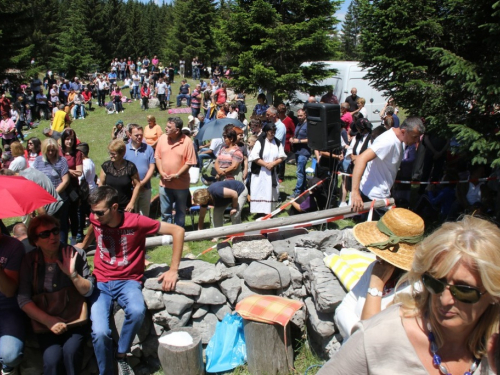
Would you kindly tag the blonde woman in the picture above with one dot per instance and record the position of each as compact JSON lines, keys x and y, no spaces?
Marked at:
{"x":361,"y":107}
{"x":152,"y":132}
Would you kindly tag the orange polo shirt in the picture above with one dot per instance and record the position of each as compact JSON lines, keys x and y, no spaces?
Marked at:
{"x":172,"y":157}
{"x":152,"y":134}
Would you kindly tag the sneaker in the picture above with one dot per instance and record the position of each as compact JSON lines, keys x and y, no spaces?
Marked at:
{"x":123,"y":367}
{"x":292,"y":196}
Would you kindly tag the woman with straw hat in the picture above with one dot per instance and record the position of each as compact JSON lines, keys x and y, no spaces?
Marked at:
{"x":444,"y":327}
{"x":393,"y":240}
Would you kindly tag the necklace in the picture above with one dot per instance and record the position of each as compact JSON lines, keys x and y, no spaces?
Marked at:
{"x":436,"y":359}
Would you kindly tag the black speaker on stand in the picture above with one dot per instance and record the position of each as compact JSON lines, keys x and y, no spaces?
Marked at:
{"x":323,"y":134}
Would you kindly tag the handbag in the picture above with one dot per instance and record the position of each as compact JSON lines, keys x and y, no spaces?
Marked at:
{"x":67,"y":304}
{"x":84,"y":189}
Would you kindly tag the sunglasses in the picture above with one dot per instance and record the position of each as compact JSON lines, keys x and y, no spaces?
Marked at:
{"x":99,"y":213}
{"x":463,"y":293}
{"x":46,"y":233}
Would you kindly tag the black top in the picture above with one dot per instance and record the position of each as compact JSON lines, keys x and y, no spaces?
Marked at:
{"x":121,"y":180}
{"x":353,"y":102}
{"x":216,"y":190}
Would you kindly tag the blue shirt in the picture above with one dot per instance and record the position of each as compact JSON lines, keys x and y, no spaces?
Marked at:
{"x":112,"y":75}
{"x":396,"y":121}
{"x":54,"y":172}
{"x":301,"y":133}
{"x":142,"y":157}
{"x":76,"y":86}
{"x":280,"y":132}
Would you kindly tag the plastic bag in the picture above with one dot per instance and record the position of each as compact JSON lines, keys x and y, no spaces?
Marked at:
{"x":227,"y":348}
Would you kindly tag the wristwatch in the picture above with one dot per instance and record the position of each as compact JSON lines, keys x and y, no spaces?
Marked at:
{"x":374,"y":292}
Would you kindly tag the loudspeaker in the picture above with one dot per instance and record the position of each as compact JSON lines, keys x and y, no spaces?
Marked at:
{"x":323,"y":126}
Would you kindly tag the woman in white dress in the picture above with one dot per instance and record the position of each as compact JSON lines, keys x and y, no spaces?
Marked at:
{"x":267,"y":153}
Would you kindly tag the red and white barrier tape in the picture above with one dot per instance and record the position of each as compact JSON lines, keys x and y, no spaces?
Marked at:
{"x":434,"y":182}
{"x":297,"y":226}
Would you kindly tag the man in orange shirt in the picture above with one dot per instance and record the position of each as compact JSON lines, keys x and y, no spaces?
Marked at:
{"x":174,"y":156}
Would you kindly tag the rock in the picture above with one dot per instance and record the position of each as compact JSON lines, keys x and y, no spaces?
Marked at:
{"x":164,"y":319}
{"x":299,"y":318}
{"x":231,"y":288}
{"x":176,"y":304}
{"x":285,"y":246}
{"x":220,"y":311}
{"x":240,"y":270}
{"x":133,"y":361}
{"x":252,"y":250}
{"x":211,"y":295}
{"x":155,"y":270}
{"x":153,"y":284}
{"x":143,"y":331}
{"x":247,"y":291}
{"x":326,"y":290}
{"x":150,"y":347}
{"x":153,"y":299}
{"x":187,"y":288}
{"x":226,"y":256}
{"x":320,"y":240}
{"x":296,"y":277}
{"x":157,"y":329}
{"x":348,"y":240}
{"x":206,"y":326}
{"x":201,"y":311}
{"x":322,"y":324}
{"x":198,"y":271}
{"x":136,"y":350}
{"x":301,"y":293}
{"x":304,"y":255}
{"x":267,"y":274}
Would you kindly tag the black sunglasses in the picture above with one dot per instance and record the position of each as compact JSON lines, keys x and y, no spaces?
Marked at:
{"x":46,"y":233}
{"x":99,"y":213}
{"x":463,"y":293}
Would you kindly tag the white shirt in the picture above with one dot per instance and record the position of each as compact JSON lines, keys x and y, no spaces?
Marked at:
{"x":233,"y":114}
{"x":215,"y":145}
{"x":161,"y":87}
{"x":136,"y":79}
{"x":380,"y":173}
{"x":89,"y":173}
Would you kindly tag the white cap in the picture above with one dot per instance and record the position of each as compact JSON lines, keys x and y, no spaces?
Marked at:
{"x":190,"y":118}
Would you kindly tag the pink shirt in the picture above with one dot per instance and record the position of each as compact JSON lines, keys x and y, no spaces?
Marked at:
{"x":6,"y":126}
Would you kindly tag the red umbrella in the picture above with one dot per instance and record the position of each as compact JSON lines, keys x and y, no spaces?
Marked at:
{"x":19,"y":196}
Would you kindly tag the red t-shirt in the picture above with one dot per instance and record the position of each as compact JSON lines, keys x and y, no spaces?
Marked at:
{"x":290,"y":132}
{"x":120,"y":251}
{"x":221,"y":96}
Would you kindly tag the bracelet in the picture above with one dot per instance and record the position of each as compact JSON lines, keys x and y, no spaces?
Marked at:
{"x":73,"y":275}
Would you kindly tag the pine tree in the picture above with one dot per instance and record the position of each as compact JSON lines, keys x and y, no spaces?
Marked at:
{"x":350,"y":33}
{"x":267,"y":41}
{"x":439,"y":59}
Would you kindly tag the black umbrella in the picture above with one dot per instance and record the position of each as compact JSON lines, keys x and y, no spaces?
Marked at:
{"x":214,"y":129}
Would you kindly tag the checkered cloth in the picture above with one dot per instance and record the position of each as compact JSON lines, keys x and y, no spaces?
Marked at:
{"x":268,"y":309}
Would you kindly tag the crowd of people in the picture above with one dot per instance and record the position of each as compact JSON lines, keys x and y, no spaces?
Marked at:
{"x":452,"y":286}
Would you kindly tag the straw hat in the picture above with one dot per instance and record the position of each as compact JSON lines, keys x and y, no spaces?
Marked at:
{"x":402,"y":223}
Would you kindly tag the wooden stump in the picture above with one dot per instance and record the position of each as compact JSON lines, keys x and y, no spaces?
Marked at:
{"x":266,"y":351}
{"x":182,"y":360}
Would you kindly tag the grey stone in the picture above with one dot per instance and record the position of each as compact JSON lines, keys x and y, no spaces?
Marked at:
{"x":198,"y":271}
{"x":231,"y":288}
{"x":153,"y":299}
{"x":349,"y":241}
{"x":164,"y":319}
{"x":206,"y":326}
{"x":201,"y":311}
{"x":252,"y":250}
{"x":240,"y":270}
{"x":296,"y":276}
{"x":285,"y":246}
{"x":226,"y":256}
{"x":220,"y":311}
{"x":143,"y":333}
{"x":304,"y":255}
{"x":267,"y":274}
{"x":136,"y":350}
{"x":247,"y":291}
{"x":153,"y":284}
{"x":176,"y":304}
{"x":320,"y":240}
{"x":321,"y":323}
{"x":299,"y":318}
{"x":211,"y":295}
{"x":187,"y":288}
{"x":326,"y":290}
{"x":155,"y":270}
{"x":157,"y":329}
{"x":301,"y":293}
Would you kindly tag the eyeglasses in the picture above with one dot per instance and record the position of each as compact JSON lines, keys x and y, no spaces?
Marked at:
{"x":46,"y":233}
{"x":463,"y":293}
{"x":100,"y":213}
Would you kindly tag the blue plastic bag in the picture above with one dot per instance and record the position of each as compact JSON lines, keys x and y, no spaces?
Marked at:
{"x":227,"y":348}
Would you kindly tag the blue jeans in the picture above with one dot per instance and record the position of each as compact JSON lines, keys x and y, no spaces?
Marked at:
{"x":167,"y":199}
{"x":181,"y":96}
{"x":12,"y":323}
{"x":135,"y":92}
{"x":129,"y":296}
{"x":203,"y":156}
{"x":301,"y":173}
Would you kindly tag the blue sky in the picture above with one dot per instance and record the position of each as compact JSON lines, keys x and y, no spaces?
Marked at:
{"x":342,"y":12}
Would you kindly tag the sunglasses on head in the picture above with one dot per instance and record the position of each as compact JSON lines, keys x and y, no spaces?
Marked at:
{"x":462,"y":293}
{"x":46,"y":233}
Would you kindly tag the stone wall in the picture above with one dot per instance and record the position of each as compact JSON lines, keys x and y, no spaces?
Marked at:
{"x":290,"y":267}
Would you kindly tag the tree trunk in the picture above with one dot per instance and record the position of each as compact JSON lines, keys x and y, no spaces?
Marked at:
{"x":182,"y":360}
{"x":267,"y":353}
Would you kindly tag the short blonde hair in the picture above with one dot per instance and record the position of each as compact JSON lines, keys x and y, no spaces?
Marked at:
{"x":17,"y":149}
{"x":118,"y":146}
{"x":202,"y":197}
{"x":470,"y":240}
{"x":362,"y":101}
{"x":151,"y":118}
{"x":49,"y":143}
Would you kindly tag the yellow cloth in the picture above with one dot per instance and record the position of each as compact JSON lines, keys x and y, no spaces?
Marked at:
{"x":59,"y":121}
{"x":349,"y":266}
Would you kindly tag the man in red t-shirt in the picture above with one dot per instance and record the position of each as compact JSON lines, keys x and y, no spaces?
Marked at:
{"x":119,"y":268}
{"x":87,"y":96}
{"x":220,"y":95}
